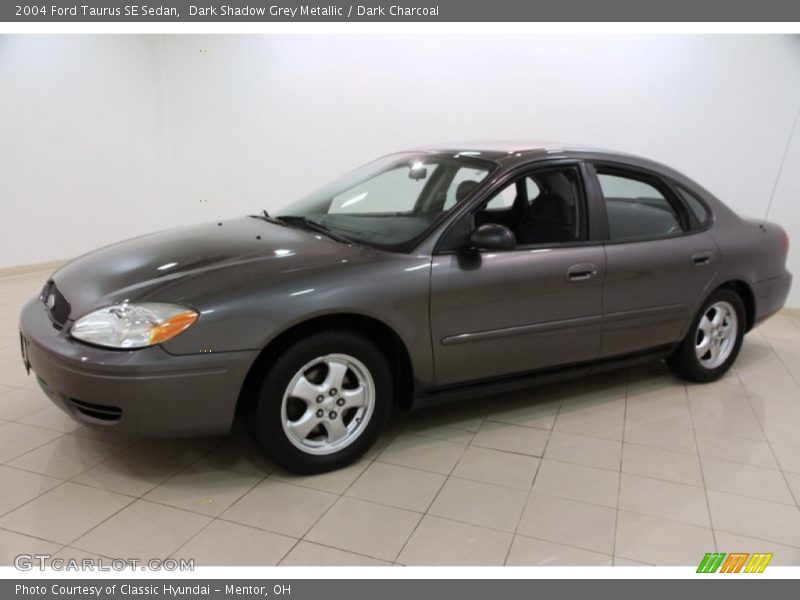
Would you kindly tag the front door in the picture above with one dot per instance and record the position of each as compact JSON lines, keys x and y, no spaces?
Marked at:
{"x":500,"y":313}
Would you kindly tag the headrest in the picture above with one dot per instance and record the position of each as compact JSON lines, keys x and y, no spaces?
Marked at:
{"x":464,"y":189}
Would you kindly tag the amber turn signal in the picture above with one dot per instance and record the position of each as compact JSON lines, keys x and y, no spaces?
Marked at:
{"x":172,"y":326}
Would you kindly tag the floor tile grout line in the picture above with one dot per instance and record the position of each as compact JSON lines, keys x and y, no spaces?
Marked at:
{"x":780,"y":360}
{"x":110,"y":458}
{"x":670,"y":481}
{"x":213,"y":518}
{"x":467,"y":445}
{"x":560,"y":543}
{"x":324,"y":513}
{"x":100,"y":554}
{"x":35,"y":537}
{"x":133,"y":500}
{"x":342,"y":495}
{"x":30,"y":472}
{"x":8,"y":512}
{"x":438,"y":492}
{"x":702,"y":474}
{"x":15,"y":457}
{"x":621,"y":459}
{"x":116,"y":512}
{"x":530,"y":489}
{"x":360,"y":554}
{"x":769,"y":442}
{"x":760,"y":539}
{"x":201,"y":457}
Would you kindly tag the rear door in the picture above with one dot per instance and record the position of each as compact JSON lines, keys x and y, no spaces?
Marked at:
{"x":659,"y":261}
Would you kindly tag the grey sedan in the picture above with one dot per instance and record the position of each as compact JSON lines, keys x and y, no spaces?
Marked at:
{"x":422,"y":277}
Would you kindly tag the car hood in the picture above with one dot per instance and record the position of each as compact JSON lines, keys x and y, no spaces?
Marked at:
{"x":148,"y":267}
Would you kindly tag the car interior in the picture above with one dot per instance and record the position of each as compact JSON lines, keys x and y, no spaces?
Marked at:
{"x":539,"y":208}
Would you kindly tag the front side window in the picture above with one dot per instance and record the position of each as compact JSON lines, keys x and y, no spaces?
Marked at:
{"x":393,"y":200}
{"x":543,"y":207}
{"x":636,"y":209}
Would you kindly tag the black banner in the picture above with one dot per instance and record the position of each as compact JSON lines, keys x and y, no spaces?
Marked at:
{"x":704,"y":587}
{"x":398,"y":11}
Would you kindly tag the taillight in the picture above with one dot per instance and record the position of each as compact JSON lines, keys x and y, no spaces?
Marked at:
{"x":785,"y":241}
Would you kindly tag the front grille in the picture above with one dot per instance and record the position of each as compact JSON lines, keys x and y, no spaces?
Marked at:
{"x":101,"y":412}
{"x":56,"y":304}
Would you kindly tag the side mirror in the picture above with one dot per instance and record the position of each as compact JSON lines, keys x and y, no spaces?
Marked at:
{"x":493,"y":236}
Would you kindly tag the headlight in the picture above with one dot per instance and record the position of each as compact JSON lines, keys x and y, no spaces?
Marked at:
{"x":133,"y":325}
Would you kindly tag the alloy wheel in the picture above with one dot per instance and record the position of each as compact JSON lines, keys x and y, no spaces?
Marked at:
{"x":328,"y":404}
{"x":716,"y":333}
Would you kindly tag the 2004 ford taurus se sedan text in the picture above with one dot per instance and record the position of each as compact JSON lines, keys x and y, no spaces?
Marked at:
{"x":420,"y":277}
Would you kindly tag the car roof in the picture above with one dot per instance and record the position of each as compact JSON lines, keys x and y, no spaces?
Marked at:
{"x":512,"y":153}
{"x":500,"y":150}
{"x":500,"y":146}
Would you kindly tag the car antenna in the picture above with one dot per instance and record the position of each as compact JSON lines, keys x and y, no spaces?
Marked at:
{"x":780,"y":168}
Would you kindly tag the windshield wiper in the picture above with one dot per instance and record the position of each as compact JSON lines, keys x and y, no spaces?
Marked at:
{"x":264,"y":215}
{"x":315,"y":226}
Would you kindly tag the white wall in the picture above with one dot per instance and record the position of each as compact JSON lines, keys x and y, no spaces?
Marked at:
{"x":120,"y":135}
{"x":81,"y":150}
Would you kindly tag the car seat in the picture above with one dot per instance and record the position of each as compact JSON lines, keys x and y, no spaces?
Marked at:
{"x":549,"y":220}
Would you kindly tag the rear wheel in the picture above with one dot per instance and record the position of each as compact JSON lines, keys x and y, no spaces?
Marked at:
{"x":324,"y":402}
{"x":714,"y":339}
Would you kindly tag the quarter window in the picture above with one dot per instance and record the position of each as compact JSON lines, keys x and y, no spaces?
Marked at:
{"x":695,"y":205}
{"x":636,"y":209}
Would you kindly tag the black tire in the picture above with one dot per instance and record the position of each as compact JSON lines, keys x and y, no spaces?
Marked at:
{"x":685,"y":362}
{"x":268,"y":412}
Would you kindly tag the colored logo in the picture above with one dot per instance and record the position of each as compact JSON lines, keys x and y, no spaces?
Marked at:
{"x":735,"y":562}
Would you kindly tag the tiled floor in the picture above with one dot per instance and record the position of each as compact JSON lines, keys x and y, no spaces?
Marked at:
{"x":627,"y":468}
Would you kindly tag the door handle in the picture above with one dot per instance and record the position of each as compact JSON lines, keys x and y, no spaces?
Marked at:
{"x":702,"y":258}
{"x":581,"y":272}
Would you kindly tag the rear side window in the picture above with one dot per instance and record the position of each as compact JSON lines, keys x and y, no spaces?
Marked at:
{"x":695,"y":205}
{"x":636,"y":209}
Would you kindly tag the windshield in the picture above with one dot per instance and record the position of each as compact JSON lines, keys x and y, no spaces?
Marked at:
{"x":393,"y":200}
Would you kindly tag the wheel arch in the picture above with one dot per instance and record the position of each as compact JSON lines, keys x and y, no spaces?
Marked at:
{"x":745,"y":292}
{"x":375,"y":330}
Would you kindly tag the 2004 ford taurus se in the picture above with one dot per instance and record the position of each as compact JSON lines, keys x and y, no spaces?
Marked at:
{"x":423,"y":276}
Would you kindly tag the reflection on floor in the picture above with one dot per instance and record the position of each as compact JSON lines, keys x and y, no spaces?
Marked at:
{"x":633,"y":467}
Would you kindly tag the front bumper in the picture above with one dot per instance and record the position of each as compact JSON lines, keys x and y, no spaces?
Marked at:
{"x":146,"y":392}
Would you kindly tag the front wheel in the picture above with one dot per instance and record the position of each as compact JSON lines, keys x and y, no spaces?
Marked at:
{"x":714,"y":339}
{"x":324,"y":402}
